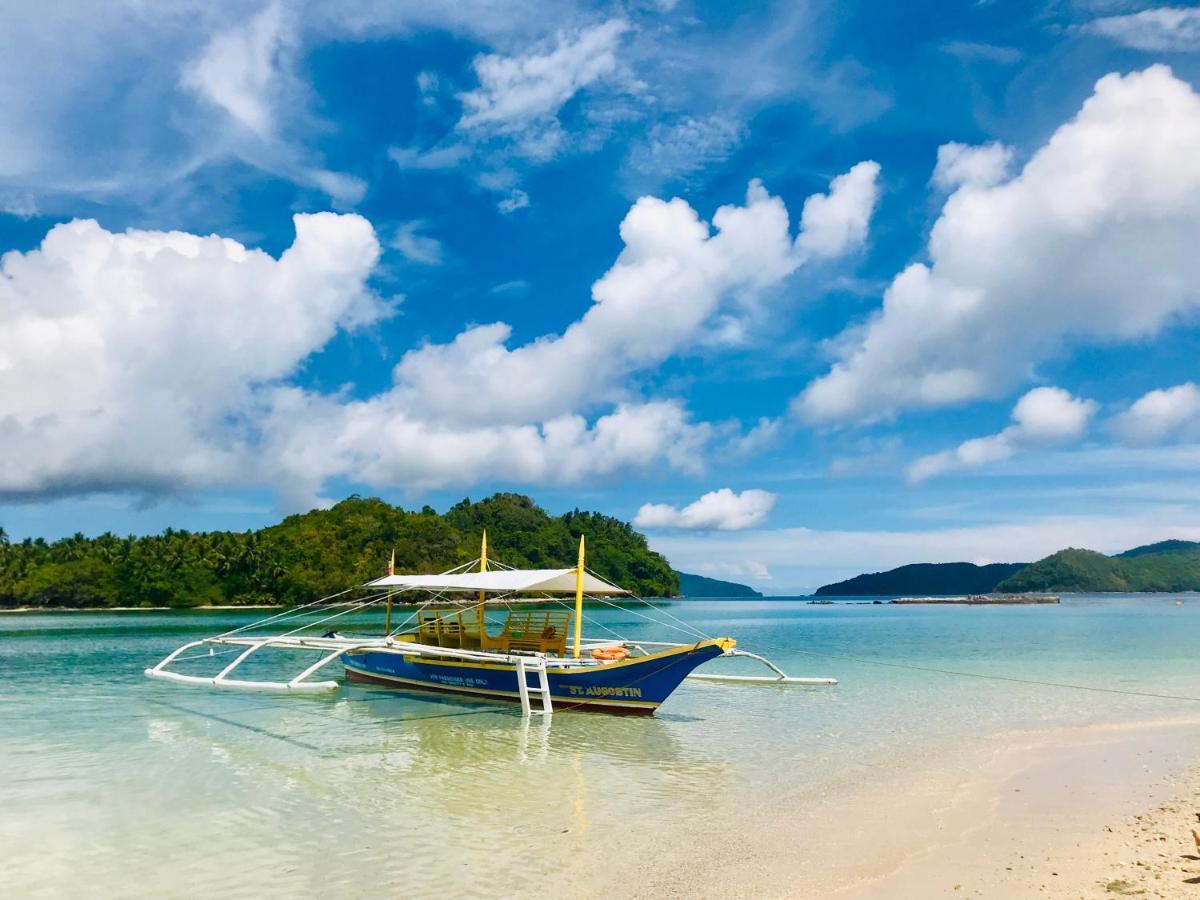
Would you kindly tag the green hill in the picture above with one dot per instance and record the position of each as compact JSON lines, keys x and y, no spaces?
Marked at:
{"x":924,"y":578}
{"x":1085,"y":571}
{"x":700,"y":586}
{"x":308,"y":556}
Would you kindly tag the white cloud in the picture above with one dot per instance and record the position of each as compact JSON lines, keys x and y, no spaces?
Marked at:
{"x":1049,"y":414}
{"x":1161,"y":415}
{"x":416,"y":247}
{"x":682,"y":148}
{"x":137,"y":360}
{"x":961,"y":164}
{"x":246,"y":72}
{"x":520,"y":96}
{"x":834,"y":223}
{"x":162,"y":360}
{"x":517,"y":199}
{"x":238,"y":70}
{"x":722,"y":510}
{"x":1162,"y":30}
{"x":972,"y":51}
{"x":673,"y":280}
{"x":749,"y":568}
{"x":379,"y":442}
{"x":445,"y":157}
{"x":1116,"y":191}
{"x":512,"y":117}
{"x":1044,"y":416}
{"x":144,"y":103}
{"x":20,"y":204}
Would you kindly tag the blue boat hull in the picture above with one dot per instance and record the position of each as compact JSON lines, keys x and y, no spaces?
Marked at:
{"x":636,"y":685}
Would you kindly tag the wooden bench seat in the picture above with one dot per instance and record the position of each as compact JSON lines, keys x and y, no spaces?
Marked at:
{"x":542,"y":630}
{"x":539,"y":630}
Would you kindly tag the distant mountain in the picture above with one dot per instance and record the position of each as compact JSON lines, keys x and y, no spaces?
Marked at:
{"x":925,"y":578}
{"x":699,"y":586}
{"x":1172,"y":546}
{"x":1165,"y":566}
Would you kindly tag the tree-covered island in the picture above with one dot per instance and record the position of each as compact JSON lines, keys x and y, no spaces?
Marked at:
{"x":317,"y":553}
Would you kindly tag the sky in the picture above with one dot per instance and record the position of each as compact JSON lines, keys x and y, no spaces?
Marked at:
{"x":801,"y":289}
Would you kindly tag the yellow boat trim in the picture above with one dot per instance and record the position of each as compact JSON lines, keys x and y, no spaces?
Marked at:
{"x":723,"y":642}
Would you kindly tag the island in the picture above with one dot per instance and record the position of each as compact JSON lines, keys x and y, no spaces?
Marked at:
{"x":318,"y":553}
{"x":1168,"y":566}
{"x":924,"y":578}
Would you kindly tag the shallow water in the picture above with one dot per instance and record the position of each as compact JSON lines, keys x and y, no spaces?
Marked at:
{"x":115,"y":785}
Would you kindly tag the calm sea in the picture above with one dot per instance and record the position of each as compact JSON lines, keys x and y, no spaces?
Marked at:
{"x":115,"y":785}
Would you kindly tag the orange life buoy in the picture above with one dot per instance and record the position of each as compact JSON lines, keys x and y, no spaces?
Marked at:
{"x":610,"y":654}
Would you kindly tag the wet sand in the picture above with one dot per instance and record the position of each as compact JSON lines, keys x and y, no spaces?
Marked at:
{"x":1075,"y":813}
{"x":1097,"y":811}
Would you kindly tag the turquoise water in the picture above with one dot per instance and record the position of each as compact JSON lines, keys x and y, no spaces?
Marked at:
{"x":116,"y":785}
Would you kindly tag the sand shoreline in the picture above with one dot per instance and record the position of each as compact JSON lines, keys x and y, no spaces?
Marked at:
{"x":1062,"y":812}
{"x":1094,"y":811}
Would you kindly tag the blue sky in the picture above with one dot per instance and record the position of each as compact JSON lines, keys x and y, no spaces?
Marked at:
{"x":803,"y":289}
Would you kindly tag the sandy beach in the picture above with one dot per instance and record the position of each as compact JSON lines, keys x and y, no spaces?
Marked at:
{"x":1100,"y":811}
{"x":1083,"y":812}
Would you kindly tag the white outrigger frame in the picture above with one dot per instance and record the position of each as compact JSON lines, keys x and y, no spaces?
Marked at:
{"x":332,"y":646}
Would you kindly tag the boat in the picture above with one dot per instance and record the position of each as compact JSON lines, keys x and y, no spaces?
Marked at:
{"x":539,"y":658}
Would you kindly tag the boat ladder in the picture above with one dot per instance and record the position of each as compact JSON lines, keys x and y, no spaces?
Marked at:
{"x":538,"y":664}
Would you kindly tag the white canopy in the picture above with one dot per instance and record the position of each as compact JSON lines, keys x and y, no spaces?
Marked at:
{"x":501,"y":581}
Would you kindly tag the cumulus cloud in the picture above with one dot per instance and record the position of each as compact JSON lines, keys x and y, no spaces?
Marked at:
{"x":833,"y":223}
{"x":959,"y":164}
{"x":164,"y":360}
{"x":1162,"y":30}
{"x":135,"y":359}
{"x":1044,"y":416}
{"x":722,"y":510}
{"x":380,"y":442}
{"x":674,"y":279}
{"x":1160,"y":415}
{"x":1116,"y":191}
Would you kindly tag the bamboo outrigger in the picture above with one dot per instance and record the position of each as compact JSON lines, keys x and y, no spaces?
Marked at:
{"x":453,"y":651}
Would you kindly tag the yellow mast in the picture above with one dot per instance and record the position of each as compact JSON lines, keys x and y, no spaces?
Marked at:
{"x":387,"y":624}
{"x":482,"y":594}
{"x":579,"y":598}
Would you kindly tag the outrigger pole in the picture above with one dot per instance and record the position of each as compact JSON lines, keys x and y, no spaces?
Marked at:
{"x":578,"y":600}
